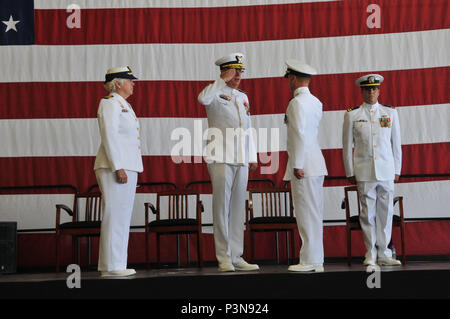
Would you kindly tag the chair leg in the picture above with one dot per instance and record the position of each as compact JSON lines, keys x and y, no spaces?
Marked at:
{"x":200,"y":249}
{"x":246,"y":253}
{"x":147,"y":257}
{"x":277,"y":249}
{"x":292,"y":246}
{"x":188,"y":249}
{"x":158,"y":257}
{"x":57,"y":237}
{"x":75,"y":251}
{"x":178,"y":251}
{"x":402,"y":234}
{"x":349,"y":247}
{"x":252,"y":248}
{"x":287,"y":247}
{"x":88,"y":253}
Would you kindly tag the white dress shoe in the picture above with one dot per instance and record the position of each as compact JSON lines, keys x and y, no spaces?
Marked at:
{"x":306,"y":268}
{"x":369,"y":262}
{"x":225,"y":267}
{"x":388,"y":262}
{"x":119,"y":273}
{"x":245,"y":266}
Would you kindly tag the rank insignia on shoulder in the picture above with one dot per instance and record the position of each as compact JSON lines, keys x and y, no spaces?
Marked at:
{"x":241,"y":91}
{"x":353,"y":108}
{"x":392,"y":107}
{"x":285,"y":119}
{"x":225,"y":97}
{"x":108,"y":96}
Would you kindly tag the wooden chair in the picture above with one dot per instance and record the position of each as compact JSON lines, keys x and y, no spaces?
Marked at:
{"x":274,"y":214}
{"x":352,"y":221}
{"x":87,"y":224}
{"x":205,"y":189}
{"x":178,"y":219}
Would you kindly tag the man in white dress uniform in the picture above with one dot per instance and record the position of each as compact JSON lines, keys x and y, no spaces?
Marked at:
{"x":230,"y":152}
{"x":117,"y":165}
{"x":373,"y":130}
{"x":306,"y":167}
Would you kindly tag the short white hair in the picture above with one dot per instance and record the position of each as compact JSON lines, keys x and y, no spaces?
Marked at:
{"x":111,"y":85}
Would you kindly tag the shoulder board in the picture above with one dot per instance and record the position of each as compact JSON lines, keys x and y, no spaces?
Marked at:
{"x":392,"y":107}
{"x":353,"y":108}
{"x":290,"y":101}
{"x":242,"y":91}
{"x":108,"y":96}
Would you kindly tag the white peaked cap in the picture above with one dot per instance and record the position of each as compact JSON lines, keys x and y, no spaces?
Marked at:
{"x":370,"y":80}
{"x":299,"y":68}
{"x":233,"y":60}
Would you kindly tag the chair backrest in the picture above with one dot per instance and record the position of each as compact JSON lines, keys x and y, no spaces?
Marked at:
{"x":271,"y":202}
{"x":202,"y":186}
{"x":147,"y":187}
{"x":178,"y":204}
{"x":254,"y":183}
{"x":87,"y":207}
{"x":206,"y":185}
{"x":349,"y":190}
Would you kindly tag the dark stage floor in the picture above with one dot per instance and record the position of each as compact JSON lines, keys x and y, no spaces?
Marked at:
{"x":423,"y":280}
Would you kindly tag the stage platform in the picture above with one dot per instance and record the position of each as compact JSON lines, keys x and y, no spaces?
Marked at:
{"x":416,"y":280}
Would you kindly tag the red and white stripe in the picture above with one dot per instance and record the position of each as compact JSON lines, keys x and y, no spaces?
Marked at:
{"x":50,"y":91}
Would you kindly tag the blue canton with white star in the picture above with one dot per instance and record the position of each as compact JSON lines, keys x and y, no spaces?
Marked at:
{"x":16,"y":22}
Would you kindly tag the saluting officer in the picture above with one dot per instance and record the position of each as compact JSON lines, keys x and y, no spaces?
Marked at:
{"x":230,"y":152}
{"x":117,"y":165}
{"x":306,"y":168}
{"x":373,"y":130}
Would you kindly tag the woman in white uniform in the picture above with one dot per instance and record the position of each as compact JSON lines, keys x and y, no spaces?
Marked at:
{"x":117,"y":165}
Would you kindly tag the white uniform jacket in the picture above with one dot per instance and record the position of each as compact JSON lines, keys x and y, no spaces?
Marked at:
{"x":303,"y":116}
{"x":230,"y":132}
{"x":120,"y":146}
{"x":374,"y":132}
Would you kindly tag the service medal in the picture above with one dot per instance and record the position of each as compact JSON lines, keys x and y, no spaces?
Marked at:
{"x":225,"y":97}
{"x":246,"y":108}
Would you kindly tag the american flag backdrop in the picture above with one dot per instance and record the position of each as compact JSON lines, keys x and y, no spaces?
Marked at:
{"x":52,"y":73}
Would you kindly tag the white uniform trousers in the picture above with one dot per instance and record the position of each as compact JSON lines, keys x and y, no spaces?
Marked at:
{"x":377,"y":210}
{"x":229,"y":184}
{"x":307,"y":194}
{"x":117,"y":207}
